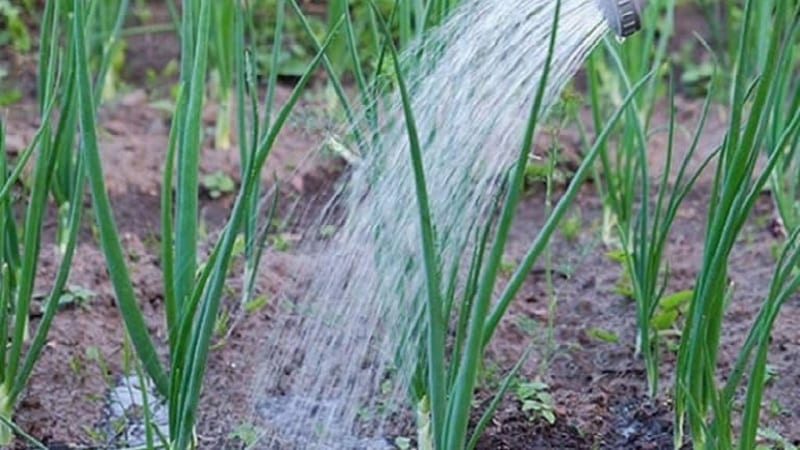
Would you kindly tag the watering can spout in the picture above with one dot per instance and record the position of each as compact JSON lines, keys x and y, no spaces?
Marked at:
{"x":623,"y":16}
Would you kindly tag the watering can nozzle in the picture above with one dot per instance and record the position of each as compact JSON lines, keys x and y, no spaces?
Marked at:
{"x":623,"y":16}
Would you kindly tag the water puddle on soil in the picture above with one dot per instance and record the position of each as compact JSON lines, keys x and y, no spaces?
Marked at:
{"x":123,"y":416}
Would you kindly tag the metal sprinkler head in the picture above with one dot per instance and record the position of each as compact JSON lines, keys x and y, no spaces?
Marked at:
{"x":623,"y":16}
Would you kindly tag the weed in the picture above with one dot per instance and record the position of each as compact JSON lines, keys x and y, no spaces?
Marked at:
{"x":76,"y":296}
{"x":402,"y":443}
{"x":602,"y":335}
{"x":572,"y":225}
{"x":218,"y":184}
{"x":246,"y":432}
{"x":536,"y":401}
{"x":14,"y":30}
{"x":280,"y":242}
{"x":93,"y":355}
{"x":507,"y":267}
{"x":221,"y":324}
{"x":256,"y":303}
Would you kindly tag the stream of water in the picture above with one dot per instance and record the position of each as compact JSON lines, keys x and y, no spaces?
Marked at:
{"x":340,"y":358}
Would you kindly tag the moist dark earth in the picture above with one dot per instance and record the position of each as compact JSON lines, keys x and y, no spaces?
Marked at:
{"x":598,"y":388}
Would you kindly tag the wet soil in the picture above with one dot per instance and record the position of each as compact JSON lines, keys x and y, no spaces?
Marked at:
{"x":598,"y":387}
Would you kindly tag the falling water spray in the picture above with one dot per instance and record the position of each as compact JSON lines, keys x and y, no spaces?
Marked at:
{"x":337,"y":363}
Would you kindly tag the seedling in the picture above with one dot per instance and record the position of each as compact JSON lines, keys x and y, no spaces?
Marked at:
{"x":14,"y":32}
{"x":402,"y":443}
{"x":76,"y":296}
{"x":536,"y":401}
{"x":217,"y":184}
{"x":94,"y":355}
{"x":775,"y":407}
{"x":280,"y":242}
{"x":668,"y":310}
{"x":76,"y":366}
{"x":771,"y":374}
{"x":255,"y":303}
{"x":602,"y":335}
{"x":571,"y":226}
{"x":221,"y":324}
{"x":624,"y":284}
{"x":507,"y":267}
{"x":246,"y":432}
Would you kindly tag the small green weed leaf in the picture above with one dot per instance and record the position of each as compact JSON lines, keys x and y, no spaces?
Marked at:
{"x":402,"y":443}
{"x":92,"y":353}
{"x":775,"y":407}
{"x":14,"y":30}
{"x":624,"y":289}
{"x":10,"y":96}
{"x":255,"y":304}
{"x":675,"y":300}
{"x":163,"y":105}
{"x":93,"y":433}
{"x":664,"y":319}
{"x":507,"y":267}
{"x":536,"y":400}
{"x":549,"y":416}
{"x":544,"y":397}
{"x":618,"y":256}
{"x":571,"y":226}
{"x":602,"y":335}
{"x":531,"y":405}
{"x":76,"y":295}
{"x":771,"y":374}
{"x":529,"y":389}
{"x":536,"y":171}
{"x":245,"y":432}
{"x":221,"y":324}
{"x":695,"y":78}
{"x":218,"y":183}
{"x":280,"y":242}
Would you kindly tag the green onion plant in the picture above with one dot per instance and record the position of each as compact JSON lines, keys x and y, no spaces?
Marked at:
{"x":698,"y":400}
{"x":644,"y":225}
{"x":639,"y":208}
{"x":646,"y":243}
{"x":21,"y":234}
{"x":223,"y":51}
{"x":726,"y":20}
{"x":20,"y":248}
{"x":640,"y":54}
{"x":450,"y":376}
{"x":104,"y":20}
{"x":192,"y":291}
{"x":783,"y":183}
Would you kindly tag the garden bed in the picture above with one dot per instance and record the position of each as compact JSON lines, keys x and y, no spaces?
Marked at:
{"x":597,"y":384}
